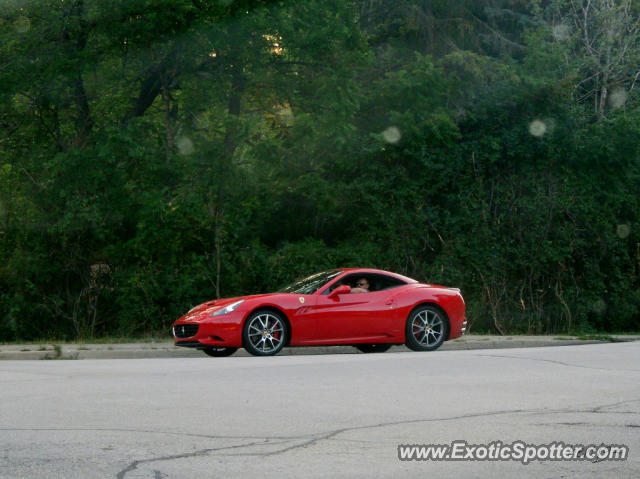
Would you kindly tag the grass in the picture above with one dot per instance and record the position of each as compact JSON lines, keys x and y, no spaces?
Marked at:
{"x":599,"y":337}
{"x":125,"y":340}
{"x":57,"y":350}
{"x":101,"y":340}
{"x":589,"y":337}
{"x":57,"y":354}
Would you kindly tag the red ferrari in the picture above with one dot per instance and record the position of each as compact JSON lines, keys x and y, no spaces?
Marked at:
{"x":367,"y":308}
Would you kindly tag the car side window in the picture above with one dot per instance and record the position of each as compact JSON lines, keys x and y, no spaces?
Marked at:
{"x":377,"y":282}
{"x":332,"y":287}
{"x":382,"y":282}
{"x":349,"y":280}
{"x":352,"y":280}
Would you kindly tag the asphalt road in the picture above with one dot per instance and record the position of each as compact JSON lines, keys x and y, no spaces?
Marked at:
{"x":329,"y":416}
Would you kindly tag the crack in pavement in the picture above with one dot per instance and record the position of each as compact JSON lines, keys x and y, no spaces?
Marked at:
{"x":203,"y":452}
{"x":603,"y":409}
{"x":615,"y":404}
{"x":556,"y":362}
{"x":142,"y":431}
{"x":310,"y":440}
{"x":586,"y":424}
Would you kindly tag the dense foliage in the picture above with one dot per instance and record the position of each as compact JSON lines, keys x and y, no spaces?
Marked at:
{"x":154,"y":154}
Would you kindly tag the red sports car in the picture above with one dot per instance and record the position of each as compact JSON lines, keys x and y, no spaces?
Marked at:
{"x":367,"y":308}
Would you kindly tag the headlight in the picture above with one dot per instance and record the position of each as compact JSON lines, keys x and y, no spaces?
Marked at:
{"x":227,"y":309}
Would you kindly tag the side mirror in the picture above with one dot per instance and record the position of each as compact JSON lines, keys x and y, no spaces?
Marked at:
{"x":342,"y":289}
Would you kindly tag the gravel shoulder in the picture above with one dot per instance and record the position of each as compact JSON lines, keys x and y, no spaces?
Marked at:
{"x":166,"y":349}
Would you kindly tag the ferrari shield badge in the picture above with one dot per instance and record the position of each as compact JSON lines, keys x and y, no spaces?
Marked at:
{"x":301,"y":299}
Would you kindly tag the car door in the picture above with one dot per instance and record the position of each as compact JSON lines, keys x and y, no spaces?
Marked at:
{"x":352,"y":317}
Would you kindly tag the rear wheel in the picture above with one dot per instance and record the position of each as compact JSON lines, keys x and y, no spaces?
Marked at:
{"x":219,"y":352}
{"x":264,"y":333}
{"x":373,"y":348}
{"x":426,"y":328}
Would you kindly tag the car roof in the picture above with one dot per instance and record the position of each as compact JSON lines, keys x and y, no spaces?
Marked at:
{"x":378,"y":271}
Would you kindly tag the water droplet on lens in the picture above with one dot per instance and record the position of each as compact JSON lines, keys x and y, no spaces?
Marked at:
{"x":185,"y":145}
{"x":561,"y":32}
{"x":201,"y":121}
{"x":623,"y":230}
{"x":22,"y":24}
{"x":599,"y":306}
{"x":537,"y":128}
{"x":392,"y":135}
{"x":617,"y":98}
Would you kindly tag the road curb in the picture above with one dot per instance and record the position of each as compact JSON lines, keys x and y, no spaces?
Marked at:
{"x":73,"y":351}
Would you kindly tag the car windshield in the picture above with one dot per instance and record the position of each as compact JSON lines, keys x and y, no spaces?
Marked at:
{"x":311,"y":284}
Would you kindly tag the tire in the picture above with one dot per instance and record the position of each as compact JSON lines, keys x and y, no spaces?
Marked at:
{"x":426,"y":329}
{"x":373,"y":348}
{"x":264,"y":333}
{"x":218,"y":351}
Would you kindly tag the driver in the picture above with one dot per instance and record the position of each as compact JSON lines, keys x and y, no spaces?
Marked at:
{"x":362,"y":286}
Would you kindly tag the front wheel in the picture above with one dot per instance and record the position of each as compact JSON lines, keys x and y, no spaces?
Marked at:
{"x":373,"y":348}
{"x":219,"y":352}
{"x":264,"y":333}
{"x":426,"y":329}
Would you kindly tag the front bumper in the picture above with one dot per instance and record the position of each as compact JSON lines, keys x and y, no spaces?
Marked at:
{"x":185,"y":330}
{"x":190,"y":344}
{"x":225,"y":332}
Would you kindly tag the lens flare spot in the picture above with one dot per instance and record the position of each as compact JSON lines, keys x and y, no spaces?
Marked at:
{"x":185,"y":145}
{"x":537,"y":128}
{"x":392,"y":135}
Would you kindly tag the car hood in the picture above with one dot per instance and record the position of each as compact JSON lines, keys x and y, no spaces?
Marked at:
{"x":205,"y":309}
